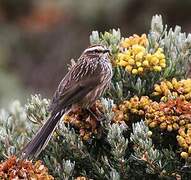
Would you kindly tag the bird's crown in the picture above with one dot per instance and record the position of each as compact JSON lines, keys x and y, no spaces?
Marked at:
{"x":97,"y":49}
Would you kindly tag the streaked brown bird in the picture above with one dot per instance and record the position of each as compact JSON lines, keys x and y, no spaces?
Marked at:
{"x":83,"y":84}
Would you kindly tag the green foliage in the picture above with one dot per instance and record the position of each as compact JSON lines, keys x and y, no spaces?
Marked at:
{"x":176,"y":46}
{"x":110,"y":39}
{"x":13,"y":129}
{"x":145,"y":151}
{"x":37,"y":109}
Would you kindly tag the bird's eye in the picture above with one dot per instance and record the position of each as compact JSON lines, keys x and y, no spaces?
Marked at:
{"x":95,"y":51}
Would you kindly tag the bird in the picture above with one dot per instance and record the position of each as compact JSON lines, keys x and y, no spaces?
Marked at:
{"x":83,"y":84}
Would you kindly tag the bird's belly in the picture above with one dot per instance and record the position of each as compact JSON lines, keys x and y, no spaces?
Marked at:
{"x":92,"y":96}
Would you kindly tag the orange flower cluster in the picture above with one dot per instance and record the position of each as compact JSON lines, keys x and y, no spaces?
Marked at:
{"x":170,"y":115}
{"x":135,"y":105}
{"x":174,"y":88}
{"x":84,"y":122}
{"x":23,"y":169}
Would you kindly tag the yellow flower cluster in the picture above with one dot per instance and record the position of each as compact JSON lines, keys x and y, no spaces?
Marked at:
{"x":174,"y":88}
{"x":184,"y":140}
{"x":135,"y":105}
{"x":135,"y":39}
{"x":170,"y":115}
{"x":84,"y":122}
{"x":135,"y":57}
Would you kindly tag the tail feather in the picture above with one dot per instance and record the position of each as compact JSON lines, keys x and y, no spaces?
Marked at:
{"x":41,"y":139}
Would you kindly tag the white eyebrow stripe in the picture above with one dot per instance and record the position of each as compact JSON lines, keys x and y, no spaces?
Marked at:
{"x":94,"y":48}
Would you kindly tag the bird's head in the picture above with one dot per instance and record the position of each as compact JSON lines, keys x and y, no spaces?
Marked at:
{"x":96,"y":50}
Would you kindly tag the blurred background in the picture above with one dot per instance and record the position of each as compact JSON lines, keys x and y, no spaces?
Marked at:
{"x":39,"y":37}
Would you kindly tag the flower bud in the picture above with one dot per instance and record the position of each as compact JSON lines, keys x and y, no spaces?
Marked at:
{"x":184,"y":155}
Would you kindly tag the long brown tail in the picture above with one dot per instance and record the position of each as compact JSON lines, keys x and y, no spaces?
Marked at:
{"x":41,"y":139}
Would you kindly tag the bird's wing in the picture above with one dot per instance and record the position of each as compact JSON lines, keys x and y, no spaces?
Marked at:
{"x":72,"y":89}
